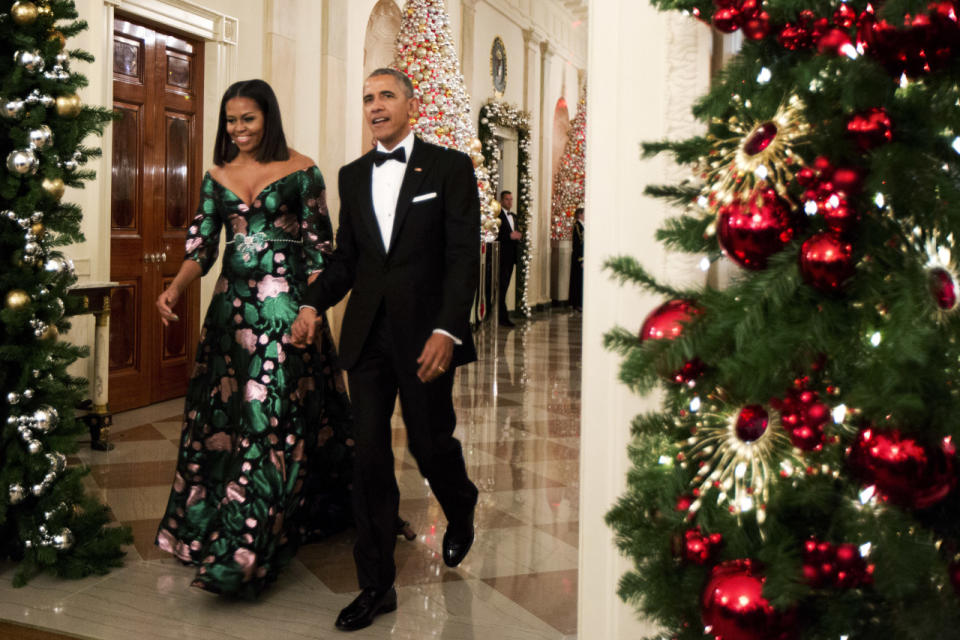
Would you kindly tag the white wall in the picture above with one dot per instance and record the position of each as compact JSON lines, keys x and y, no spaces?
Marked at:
{"x":628,"y":103}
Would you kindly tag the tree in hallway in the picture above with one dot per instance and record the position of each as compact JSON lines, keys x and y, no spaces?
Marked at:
{"x":425,"y":52}
{"x":799,"y":479}
{"x":569,"y":181}
{"x":47,"y":522}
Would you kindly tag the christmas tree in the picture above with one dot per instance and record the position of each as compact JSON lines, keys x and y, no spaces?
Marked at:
{"x":425,"y":52}
{"x":47,"y":523}
{"x":799,"y":479}
{"x":569,"y":179}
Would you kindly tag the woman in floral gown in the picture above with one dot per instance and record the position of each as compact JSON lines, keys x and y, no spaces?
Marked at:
{"x":265,"y":452}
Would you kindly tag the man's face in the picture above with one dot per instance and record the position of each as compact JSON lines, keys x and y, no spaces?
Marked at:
{"x":506,"y":202}
{"x":388,"y":110}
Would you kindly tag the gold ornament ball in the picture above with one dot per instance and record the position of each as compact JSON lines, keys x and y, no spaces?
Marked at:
{"x":38,"y":229}
{"x":69,"y":105}
{"x":54,"y":187}
{"x":494,"y":207}
{"x":477,"y":158}
{"x":24,"y":13}
{"x":59,"y":38}
{"x":17,"y":299}
{"x":51,"y":333}
{"x":476,"y":145}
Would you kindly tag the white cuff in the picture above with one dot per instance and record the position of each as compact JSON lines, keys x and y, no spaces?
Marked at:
{"x":457,"y":341}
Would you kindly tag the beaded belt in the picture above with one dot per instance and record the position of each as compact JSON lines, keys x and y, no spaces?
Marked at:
{"x":256,"y":242}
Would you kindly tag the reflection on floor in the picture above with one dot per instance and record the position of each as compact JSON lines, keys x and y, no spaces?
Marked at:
{"x":519,"y":421}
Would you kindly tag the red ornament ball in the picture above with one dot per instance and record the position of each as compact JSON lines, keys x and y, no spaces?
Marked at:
{"x":826,"y":262}
{"x":699,"y":548}
{"x":733,"y":607}
{"x":908,"y":473}
{"x":726,"y":19}
{"x":751,"y":423}
{"x":753,"y":230}
{"x":944,"y":289}
{"x":756,"y":26}
{"x":871,"y":128}
{"x":803,"y":416}
{"x":667,"y":322}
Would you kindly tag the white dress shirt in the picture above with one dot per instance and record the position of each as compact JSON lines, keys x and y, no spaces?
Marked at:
{"x":509,"y":216}
{"x":385,"y":188}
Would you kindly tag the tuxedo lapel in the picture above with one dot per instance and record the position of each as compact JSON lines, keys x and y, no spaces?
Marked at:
{"x":365,"y":198}
{"x":418,"y":165}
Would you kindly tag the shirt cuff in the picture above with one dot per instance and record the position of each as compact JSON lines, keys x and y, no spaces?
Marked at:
{"x":457,"y":341}
{"x":307,"y":306}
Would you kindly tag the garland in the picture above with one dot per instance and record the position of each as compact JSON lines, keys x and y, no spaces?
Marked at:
{"x":505,"y":115}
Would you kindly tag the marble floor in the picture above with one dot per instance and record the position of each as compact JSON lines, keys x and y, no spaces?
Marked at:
{"x":519,"y":421}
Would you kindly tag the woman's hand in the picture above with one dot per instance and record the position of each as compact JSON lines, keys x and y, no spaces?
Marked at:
{"x":166,"y":301}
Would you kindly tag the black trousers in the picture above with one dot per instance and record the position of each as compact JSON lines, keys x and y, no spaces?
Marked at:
{"x":506,"y":271}
{"x":429,"y":417}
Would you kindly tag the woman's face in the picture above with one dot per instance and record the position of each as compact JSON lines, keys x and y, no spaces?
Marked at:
{"x":244,"y":124}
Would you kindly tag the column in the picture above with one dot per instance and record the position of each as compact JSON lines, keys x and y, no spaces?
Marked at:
{"x":467,"y":17}
{"x":545,"y":174}
{"x":620,"y":220}
{"x":533,"y":104}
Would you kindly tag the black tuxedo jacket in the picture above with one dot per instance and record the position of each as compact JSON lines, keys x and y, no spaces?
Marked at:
{"x":427,"y":279}
{"x":508,"y":246}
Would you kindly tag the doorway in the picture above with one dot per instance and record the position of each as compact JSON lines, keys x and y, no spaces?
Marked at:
{"x":156,"y":173}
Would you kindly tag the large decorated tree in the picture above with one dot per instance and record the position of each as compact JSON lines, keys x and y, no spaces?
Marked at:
{"x":47,"y":523}
{"x":799,"y":479}
{"x":425,"y":52}
{"x":570,"y":178}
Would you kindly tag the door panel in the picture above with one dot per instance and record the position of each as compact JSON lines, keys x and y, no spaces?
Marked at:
{"x":157,"y":83}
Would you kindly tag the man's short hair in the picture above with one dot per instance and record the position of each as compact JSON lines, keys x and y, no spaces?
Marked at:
{"x":505,"y":193}
{"x":401,"y":77}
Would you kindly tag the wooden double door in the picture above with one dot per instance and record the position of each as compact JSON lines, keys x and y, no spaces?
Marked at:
{"x":156,"y":173}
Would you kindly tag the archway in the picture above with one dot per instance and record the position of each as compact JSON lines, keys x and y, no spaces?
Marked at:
{"x":559,"y":247}
{"x":379,"y":46}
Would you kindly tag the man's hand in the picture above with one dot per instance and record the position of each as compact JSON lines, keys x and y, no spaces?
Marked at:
{"x":435,"y":358}
{"x":304,"y":327}
{"x":515,"y":235}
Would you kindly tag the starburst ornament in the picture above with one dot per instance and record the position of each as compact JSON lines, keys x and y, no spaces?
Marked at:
{"x":740,"y":452}
{"x":755,"y":153}
{"x":943,"y":270}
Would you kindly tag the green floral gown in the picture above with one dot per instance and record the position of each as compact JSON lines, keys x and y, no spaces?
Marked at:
{"x":266,"y":449}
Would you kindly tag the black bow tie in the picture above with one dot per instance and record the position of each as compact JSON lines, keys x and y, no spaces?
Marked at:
{"x":399,"y":154}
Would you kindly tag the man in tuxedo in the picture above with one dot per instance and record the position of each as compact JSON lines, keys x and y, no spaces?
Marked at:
{"x":408,"y":245}
{"x":576,"y":262}
{"x":509,"y":237}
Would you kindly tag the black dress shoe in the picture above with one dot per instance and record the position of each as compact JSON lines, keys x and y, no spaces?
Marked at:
{"x":457,"y":540}
{"x":367,"y":606}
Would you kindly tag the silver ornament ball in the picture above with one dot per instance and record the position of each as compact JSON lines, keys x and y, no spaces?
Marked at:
{"x":11,"y":108}
{"x":38,"y":489}
{"x":45,"y":418}
{"x":41,"y":137}
{"x":13,"y":397}
{"x":22,"y":161}
{"x":34,"y":447}
{"x":28,"y":393}
{"x":63,"y":540}
{"x":32,"y":61}
{"x":17,"y":493}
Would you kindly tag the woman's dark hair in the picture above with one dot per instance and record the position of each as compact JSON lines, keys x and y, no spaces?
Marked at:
{"x":273,"y":144}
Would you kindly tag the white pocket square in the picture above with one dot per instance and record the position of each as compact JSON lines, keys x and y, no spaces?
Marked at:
{"x":425,"y":196}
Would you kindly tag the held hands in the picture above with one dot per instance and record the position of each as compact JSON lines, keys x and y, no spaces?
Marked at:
{"x":166,"y":301}
{"x":515,"y":235}
{"x":304,"y":327}
{"x":435,"y":358}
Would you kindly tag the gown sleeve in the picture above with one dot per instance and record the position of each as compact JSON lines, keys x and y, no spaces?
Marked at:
{"x":315,"y":227}
{"x":203,"y":235}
